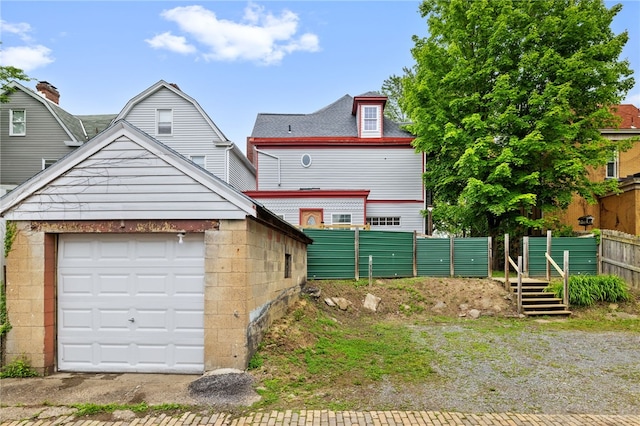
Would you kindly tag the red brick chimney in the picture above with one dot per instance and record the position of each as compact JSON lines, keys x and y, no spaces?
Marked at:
{"x":49,"y":91}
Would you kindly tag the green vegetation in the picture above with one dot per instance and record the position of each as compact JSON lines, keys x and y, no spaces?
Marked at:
{"x":586,"y":290}
{"x":90,"y":409}
{"x":5,"y":325}
{"x":18,"y":368}
{"x":10,"y":236}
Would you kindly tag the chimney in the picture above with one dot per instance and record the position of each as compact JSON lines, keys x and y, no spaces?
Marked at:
{"x":49,"y":91}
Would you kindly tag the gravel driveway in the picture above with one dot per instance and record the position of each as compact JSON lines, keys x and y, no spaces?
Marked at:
{"x":528,"y":371}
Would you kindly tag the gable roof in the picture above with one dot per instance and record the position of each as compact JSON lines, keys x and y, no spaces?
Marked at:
{"x":630,"y":115}
{"x":176,"y":90}
{"x":334,"y":120}
{"x":74,"y":126}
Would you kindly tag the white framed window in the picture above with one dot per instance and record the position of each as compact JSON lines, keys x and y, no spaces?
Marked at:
{"x":198,"y":159}
{"x":17,"y":122}
{"x":165,"y":122}
{"x":612,"y":167}
{"x":384,"y":221}
{"x":370,"y":118}
{"x":46,"y":162}
{"x":341,"y":219}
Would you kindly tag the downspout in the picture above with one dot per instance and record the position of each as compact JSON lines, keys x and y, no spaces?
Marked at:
{"x":272,"y":156}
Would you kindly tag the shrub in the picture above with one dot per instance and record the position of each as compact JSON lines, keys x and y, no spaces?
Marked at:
{"x":18,"y":368}
{"x":586,"y":290}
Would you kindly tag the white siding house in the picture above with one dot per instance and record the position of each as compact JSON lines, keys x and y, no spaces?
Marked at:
{"x":177,"y":120}
{"x":345,"y":163}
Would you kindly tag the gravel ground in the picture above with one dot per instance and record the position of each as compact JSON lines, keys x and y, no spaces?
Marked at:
{"x":550,"y":372}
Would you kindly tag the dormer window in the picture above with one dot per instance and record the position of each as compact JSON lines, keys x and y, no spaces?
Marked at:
{"x":370,"y":118}
{"x":165,"y":122}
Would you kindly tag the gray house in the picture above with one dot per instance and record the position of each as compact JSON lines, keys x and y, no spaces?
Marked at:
{"x":35,"y":132}
{"x":128,"y":257}
{"x":344,"y":164}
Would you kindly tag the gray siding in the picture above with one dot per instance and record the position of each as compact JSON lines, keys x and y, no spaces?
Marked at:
{"x":241,"y":176}
{"x":21,"y":156}
{"x":410,"y":215}
{"x":124,"y":181}
{"x":389,"y":173}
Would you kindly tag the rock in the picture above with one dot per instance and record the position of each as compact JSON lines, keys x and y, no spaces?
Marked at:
{"x":474,"y":314}
{"x":312,"y":291}
{"x":439,"y":306}
{"x":123,"y":415}
{"x":342,"y":303}
{"x":613,"y":306}
{"x":329,"y":302}
{"x":463,"y":307}
{"x":371,"y":302}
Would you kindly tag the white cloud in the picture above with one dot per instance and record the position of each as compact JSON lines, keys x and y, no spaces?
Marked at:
{"x":27,"y":58}
{"x":170,"y":42}
{"x":261,"y":36}
{"x":20,"y":29}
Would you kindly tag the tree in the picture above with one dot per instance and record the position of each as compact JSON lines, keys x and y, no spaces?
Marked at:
{"x":392,"y":89}
{"x":8,"y":74}
{"x":506,"y":99}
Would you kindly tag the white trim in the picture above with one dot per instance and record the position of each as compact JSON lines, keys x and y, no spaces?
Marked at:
{"x":24,"y":122}
{"x":51,"y":162}
{"x":158,"y":111}
{"x":615,"y":162}
{"x":342,"y":214}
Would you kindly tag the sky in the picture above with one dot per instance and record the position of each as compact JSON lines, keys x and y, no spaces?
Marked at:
{"x":235,"y":58}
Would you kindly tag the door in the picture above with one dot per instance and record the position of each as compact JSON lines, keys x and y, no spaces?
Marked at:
{"x":131,"y":303}
{"x":311,"y":218}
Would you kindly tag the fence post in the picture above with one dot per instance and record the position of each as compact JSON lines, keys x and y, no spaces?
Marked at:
{"x":489,"y":260}
{"x":519,"y":285}
{"x":506,"y":261}
{"x":356,"y":245}
{"x":370,"y":269}
{"x":549,"y":251}
{"x":525,"y":256}
{"x":415,"y":253}
{"x":452,"y":267}
{"x":565,"y":292}
{"x":599,"y":270}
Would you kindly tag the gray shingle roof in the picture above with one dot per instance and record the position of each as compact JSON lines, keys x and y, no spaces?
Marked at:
{"x":94,"y":124}
{"x":334,"y":120}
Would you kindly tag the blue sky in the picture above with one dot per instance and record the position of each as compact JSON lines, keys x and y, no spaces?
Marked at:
{"x":236,"y":58}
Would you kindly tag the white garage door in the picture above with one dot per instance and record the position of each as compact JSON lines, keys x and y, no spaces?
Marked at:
{"x":131,"y":303}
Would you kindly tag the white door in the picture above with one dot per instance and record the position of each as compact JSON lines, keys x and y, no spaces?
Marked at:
{"x":131,"y":303}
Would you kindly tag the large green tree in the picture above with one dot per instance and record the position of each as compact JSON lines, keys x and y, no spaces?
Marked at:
{"x":506,"y":98}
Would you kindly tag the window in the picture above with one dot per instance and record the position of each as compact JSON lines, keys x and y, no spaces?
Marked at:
{"x":305,"y":160}
{"x":165,"y":122}
{"x":384,"y":221}
{"x":612,"y":167}
{"x":198,"y":159}
{"x":18,"y":122}
{"x":47,"y":162}
{"x":287,"y":265}
{"x":341,"y":218}
{"x":370,"y":118}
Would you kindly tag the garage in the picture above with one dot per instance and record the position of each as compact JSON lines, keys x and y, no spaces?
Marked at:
{"x":131,"y":303}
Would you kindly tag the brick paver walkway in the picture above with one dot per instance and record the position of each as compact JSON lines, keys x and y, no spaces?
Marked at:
{"x":351,"y":418}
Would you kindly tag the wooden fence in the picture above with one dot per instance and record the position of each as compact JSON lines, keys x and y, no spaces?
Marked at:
{"x":620,"y":255}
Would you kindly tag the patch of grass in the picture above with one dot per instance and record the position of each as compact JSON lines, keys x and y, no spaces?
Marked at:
{"x":91,"y":409}
{"x":586,"y":290}
{"x":18,"y":368}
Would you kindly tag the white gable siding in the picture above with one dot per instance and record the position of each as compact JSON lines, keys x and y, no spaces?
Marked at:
{"x":389,"y":173}
{"x":124,"y":181}
{"x":192,"y":133}
{"x":289,"y":208}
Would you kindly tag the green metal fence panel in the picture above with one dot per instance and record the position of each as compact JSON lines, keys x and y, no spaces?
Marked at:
{"x":583,"y":255}
{"x":332,"y":254}
{"x":392,"y":253}
{"x":471,"y":257}
{"x":434,"y":257}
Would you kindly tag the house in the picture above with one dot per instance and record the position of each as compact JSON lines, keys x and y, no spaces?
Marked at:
{"x":177,"y":120}
{"x":127,"y":257}
{"x":35,"y":132}
{"x":616,"y":211}
{"x":344,"y":164}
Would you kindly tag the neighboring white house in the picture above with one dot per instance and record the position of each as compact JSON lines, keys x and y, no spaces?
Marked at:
{"x":169,"y":115}
{"x":344,"y":164}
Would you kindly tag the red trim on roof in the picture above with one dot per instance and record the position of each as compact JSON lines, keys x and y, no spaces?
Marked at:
{"x":331,"y":141}
{"x":309,"y":193}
